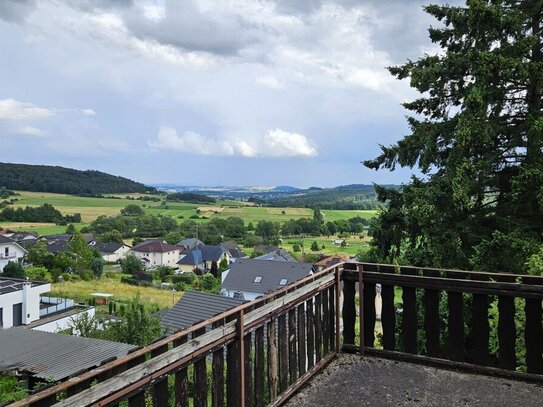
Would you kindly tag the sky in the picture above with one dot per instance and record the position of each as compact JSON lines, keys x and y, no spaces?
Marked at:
{"x":228,"y":92}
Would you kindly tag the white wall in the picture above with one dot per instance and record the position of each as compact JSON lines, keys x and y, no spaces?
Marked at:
{"x":15,"y":253}
{"x":63,"y":323}
{"x":29,"y":297}
{"x":114,"y":257}
{"x":247,"y":295}
{"x":160,"y":259}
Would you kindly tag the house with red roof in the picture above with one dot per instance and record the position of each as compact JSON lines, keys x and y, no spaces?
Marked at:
{"x":155,"y":253}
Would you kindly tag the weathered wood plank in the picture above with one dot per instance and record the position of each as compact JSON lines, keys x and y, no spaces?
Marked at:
{"x":480,"y":329}
{"x":248,"y":373}
{"x":200,"y":377}
{"x":160,"y":388}
{"x":318,"y":328}
{"x":506,"y":331}
{"x":332,"y":317}
{"x":272,"y":359}
{"x":533,"y":331}
{"x":292,"y":349}
{"x":259,"y":369}
{"x":310,"y":333}
{"x":388,"y":313}
{"x":409,"y":316}
{"x":302,"y":352}
{"x":325,"y":322}
{"x":432,"y":322}
{"x":349,"y":312}
{"x":369,"y":314}
{"x":283,"y":353}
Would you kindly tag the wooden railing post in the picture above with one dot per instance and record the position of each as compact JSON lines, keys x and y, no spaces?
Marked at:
{"x":349,"y":312}
{"x":241,"y":358}
{"x":361,"y":306}
{"x":338,"y":329}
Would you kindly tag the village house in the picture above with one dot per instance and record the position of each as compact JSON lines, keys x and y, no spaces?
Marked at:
{"x":155,"y":253}
{"x":112,"y":252}
{"x":249,"y":279}
{"x":10,"y":251}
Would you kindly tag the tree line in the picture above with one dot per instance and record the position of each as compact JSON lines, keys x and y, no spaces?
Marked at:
{"x":45,"y":213}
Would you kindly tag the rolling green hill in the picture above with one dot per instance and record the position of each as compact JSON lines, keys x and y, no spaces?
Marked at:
{"x":45,"y":178}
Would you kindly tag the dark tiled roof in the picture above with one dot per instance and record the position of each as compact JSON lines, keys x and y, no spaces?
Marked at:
{"x":264,"y":248}
{"x":59,"y":246}
{"x":154,"y":246}
{"x":108,"y":247}
{"x":5,"y":239}
{"x":88,"y":237}
{"x":212,"y":253}
{"x":190,"y":243}
{"x":243,"y":273}
{"x":66,"y":237}
{"x":49,"y":355}
{"x":277,"y":255}
{"x":19,"y":236}
{"x":192,"y":258}
{"x":194,"y":307}
{"x":234,"y":250}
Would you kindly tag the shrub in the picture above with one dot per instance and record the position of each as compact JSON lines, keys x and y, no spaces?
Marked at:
{"x":14,"y":270}
{"x":185,"y":278}
{"x":39,"y":273}
{"x":136,"y":282}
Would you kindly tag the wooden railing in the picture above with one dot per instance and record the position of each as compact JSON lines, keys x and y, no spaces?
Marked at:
{"x":256,"y":354}
{"x":261,"y":352}
{"x":467,"y":318}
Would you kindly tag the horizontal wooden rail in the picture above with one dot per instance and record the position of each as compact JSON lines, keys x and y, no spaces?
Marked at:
{"x":449,"y":284}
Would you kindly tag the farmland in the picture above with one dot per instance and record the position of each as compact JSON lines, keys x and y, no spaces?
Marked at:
{"x":91,"y":208}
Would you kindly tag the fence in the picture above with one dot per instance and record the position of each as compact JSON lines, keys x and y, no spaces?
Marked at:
{"x":261,"y":352}
{"x":56,"y":305}
{"x":256,"y":354}
{"x":459,"y":316}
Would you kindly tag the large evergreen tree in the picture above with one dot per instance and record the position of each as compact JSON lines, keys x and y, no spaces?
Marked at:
{"x":477,"y":138}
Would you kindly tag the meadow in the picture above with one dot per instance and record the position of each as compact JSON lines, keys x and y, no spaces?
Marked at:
{"x":91,"y":208}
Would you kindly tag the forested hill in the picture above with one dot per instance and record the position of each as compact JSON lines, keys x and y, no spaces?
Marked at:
{"x":45,"y":178}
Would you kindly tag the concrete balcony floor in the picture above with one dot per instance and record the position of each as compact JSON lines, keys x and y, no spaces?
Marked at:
{"x":351,"y":380}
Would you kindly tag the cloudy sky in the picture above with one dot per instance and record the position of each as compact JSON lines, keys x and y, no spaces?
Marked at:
{"x":227,"y":92}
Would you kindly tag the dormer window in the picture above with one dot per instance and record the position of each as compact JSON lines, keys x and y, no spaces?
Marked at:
{"x":258,"y":280}
{"x":283,"y":281}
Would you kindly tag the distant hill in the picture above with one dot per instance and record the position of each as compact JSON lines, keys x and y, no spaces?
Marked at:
{"x":355,"y":196}
{"x":46,"y":178}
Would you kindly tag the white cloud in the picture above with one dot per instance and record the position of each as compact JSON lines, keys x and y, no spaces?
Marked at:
{"x":269,"y":81}
{"x":282,"y":143}
{"x":88,"y":112}
{"x":153,"y":12}
{"x":31,"y":131}
{"x":276,"y":143}
{"x":11,"y":109}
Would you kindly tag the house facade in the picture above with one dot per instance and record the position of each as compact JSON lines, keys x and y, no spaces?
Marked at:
{"x":112,"y":252}
{"x":155,"y":253}
{"x":20,"y":301}
{"x":10,"y":251}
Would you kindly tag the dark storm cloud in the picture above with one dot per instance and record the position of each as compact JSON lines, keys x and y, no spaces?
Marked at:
{"x":15,"y":10}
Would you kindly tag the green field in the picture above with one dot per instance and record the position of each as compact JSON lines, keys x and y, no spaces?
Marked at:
{"x":91,"y":208}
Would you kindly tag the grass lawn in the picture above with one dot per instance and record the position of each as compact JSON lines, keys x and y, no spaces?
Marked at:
{"x":40,"y":228}
{"x":355,"y":245}
{"x":81,"y":290}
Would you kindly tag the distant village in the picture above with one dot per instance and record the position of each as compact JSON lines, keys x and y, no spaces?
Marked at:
{"x":35,"y":318}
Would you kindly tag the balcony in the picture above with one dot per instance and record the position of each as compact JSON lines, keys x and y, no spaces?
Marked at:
{"x":52,"y":305}
{"x":317,"y":342}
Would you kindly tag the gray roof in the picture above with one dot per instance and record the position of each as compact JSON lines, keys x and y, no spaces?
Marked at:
{"x":5,"y":239}
{"x":243,"y":273}
{"x":213,"y":253}
{"x":110,"y":247}
{"x":277,"y":255}
{"x":194,"y":307}
{"x":192,"y":258}
{"x":66,"y":237}
{"x":190,"y":243}
{"x":59,"y":246}
{"x":54,"y":356}
{"x":234,"y":250}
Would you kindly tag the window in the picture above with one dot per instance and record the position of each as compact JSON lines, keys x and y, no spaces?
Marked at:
{"x":6,"y":252}
{"x":283,"y":281}
{"x":1,"y":317}
{"x":258,"y":279}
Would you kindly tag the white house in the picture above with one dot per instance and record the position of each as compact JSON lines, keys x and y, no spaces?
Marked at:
{"x":112,"y":252}
{"x":10,"y":251}
{"x":249,"y":279}
{"x":20,"y":301}
{"x":157,"y":253}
